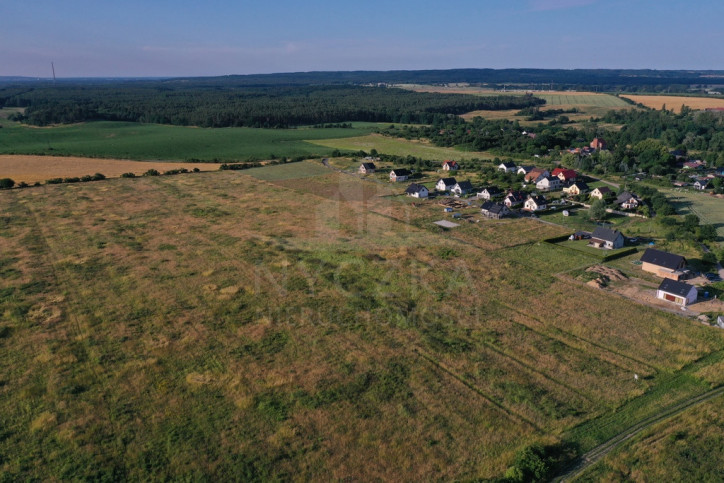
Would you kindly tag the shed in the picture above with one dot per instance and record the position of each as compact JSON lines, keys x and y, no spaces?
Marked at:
{"x":679,"y":293}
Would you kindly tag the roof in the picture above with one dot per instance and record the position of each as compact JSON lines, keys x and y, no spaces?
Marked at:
{"x":498,"y":208}
{"x":625,"y":196}
{"x":581,"y":185}
{"x":605,"y":234}
{"x":491,"y":189}
{"x":451,"y":163}
{"x":567,"y":173}
{"x":550,"y":179}
{"x":539,"y":200}
{"x":507,"y":165}
{"x":662,"y":259}
{"x":402,"y":172}
{"x":526,"y":168}
{"x":415,"y":188}
{"x":487,"y":205}
{"x":465,"y":185}
{"x":368,"y":165}
{"x":448,"y":181}
{"x":676,"y":288}
{"x":603,"y":189}
{"x":702,"y":182}
{"x":518,"y":195}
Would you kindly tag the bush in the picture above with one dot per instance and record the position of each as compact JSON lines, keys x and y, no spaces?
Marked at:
{"x":6,"y":183}
{"x":151,"y":172}
{"x":98,"y":177}
{"x":128,"y":175}
{"x":54,"y":181}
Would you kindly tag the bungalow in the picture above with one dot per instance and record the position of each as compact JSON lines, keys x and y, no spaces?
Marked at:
{"x":678,"y":292}
{"x":663,"y":264}
{"x":450,"y":166}
{"x":549,"y":183}
{"x":367,"y":168}
{"x":628,"y":201}
{"x":536,"y":174}
{"x":524,"y":169}
{"x":606,"y":238}
{"x":507,"y":167}
{"x":514,"y":198}
{"x":490,"y":192}
{"x":445,"y":184}
{"x":601,"y":192}
{"x":417,"y":191}
{"x":701,"y":184}
{"x":535,"y":203}
{"x":576,"y":188}
{"x":598,"y":144}
{"x":495,"y":210}
{"x":401,"y":174}
{"x":564,"y":174}
{"x":462,"y":188}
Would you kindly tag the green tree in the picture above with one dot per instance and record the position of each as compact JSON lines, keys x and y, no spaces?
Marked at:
{"x":6,"y":183}
{"x":598,"y":210}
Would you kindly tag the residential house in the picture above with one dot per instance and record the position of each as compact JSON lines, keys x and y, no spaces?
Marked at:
{"x":549,"y":183}
{"x":701,"y":183}
{"x":514,"y":198}
{"x":507,"y":167}
{"x":490,"y":192}
{"x":450,"y":166}
{"x":494,"y":210}
{"x":462,"y":188}
{"x":367,"y":168}
{"x":601,"y":192}
{"x":401,"y":174}
{"x":679,"y":293}
{"x":663,"y":264}
{"x":524,"y":169}
{"x":536,"y":174}
{"x":417,"y":191}
{"x":628,"y":201}
{"x":565,"y":174}
{"x":535,"y":203}
{"x":606,"y":238}
{"x":576,"y":188}
{"x":445,"y":184}
{"x":598,"y":144}
{"x":698,"y":164}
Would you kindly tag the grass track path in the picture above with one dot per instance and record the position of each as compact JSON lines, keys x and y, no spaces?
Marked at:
{"x":597,"y":453}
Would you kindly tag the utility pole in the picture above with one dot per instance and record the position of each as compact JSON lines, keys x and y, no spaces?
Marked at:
{"x":53,"y":67}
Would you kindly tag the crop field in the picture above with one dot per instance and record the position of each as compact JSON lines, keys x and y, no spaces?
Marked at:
{"x":41,"y":168}
{"x":674,"y":103}
{"x":260,"y":326}
{"x":144,"y":142}
{"x":399,"y":147}
{"x":582,"y":99}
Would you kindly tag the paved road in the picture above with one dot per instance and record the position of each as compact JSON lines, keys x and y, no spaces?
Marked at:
{"x":597,"y":453}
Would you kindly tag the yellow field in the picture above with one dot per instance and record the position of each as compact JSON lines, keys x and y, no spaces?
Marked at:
{"x":41,"y":168}
{"x":675,"y":102}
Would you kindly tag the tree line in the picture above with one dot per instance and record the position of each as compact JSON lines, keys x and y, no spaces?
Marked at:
{"x":266,"y":107}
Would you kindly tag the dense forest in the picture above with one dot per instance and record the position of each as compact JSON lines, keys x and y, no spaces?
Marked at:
{"x":629,"y":80}
{"x":214,"y":106}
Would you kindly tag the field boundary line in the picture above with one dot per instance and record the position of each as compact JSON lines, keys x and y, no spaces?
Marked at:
{"x":510,"y":413}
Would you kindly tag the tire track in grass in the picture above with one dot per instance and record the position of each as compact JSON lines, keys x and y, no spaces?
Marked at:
{"x":599,"y":452}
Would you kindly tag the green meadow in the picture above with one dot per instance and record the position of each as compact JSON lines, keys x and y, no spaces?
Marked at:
{"x":136,"y":141}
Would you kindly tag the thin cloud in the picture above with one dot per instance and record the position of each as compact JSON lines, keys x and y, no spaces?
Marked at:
{"x":543,"y":5}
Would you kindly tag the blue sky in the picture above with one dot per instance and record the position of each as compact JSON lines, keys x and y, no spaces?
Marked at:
{"x":215,"y":37}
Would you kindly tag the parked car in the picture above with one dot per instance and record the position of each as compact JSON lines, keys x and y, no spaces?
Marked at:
{"x":713,"y":277}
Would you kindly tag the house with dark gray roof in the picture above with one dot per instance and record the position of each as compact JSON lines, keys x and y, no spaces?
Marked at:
{"x":490,"y":192}
{"x":628,"y":201}
{"x":679,"y":293}
{"x":417,"y":191}
{"x":367,"y":168}
{"x":494,"y":210}
{"x":663,"y":264}
{"x":508,"y":167}
{"x":400,"y":174}
{"x":445,"y":184}
{"x":462,"y":188}
{"x":606,"y":238}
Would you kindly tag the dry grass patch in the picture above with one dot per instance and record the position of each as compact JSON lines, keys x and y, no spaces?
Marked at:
{"x":42,"y":168}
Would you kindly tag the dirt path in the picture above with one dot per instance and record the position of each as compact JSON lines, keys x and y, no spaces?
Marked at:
{"x":597,"y":453}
